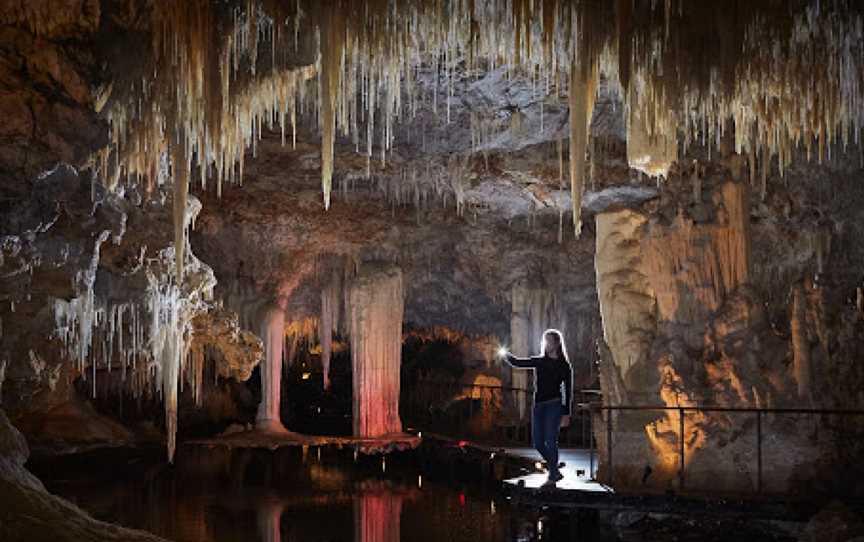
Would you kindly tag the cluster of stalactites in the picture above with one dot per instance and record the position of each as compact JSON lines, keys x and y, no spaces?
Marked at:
{"x":797,"y":84}
{"x":147,"y":340}
{"x":780,"y":76}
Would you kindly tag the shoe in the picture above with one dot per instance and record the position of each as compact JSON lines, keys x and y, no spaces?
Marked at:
{"x":548,"y":484}
{"x":555,"y":476}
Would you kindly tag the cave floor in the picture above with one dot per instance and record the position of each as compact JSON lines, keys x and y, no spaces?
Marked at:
{"x":276,"y":440}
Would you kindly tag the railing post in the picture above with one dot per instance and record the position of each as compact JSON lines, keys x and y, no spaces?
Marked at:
{"x":591,"y":449}
{"x":609,"y":445}
{"x":681,"y":443}
{"x":759,"y":451}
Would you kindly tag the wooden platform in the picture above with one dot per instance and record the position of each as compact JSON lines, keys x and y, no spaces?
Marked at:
{"x":273,"y":441}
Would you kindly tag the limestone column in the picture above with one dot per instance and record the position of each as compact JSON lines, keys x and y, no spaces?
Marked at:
{"x":530,"y":315}
{"x":375,"y":318}
{"x":520,"y":345}
{"x":273,"y":335}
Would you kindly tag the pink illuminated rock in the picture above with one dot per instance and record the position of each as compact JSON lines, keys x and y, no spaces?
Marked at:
{"x":376,"y":517}
{"x":273,"y":333}
{"x":376,"y":309}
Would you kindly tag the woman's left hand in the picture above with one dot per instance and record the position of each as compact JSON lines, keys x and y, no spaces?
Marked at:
{"x":565,"y":421}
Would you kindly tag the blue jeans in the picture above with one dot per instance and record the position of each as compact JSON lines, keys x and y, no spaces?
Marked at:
{"x":545,"y":422}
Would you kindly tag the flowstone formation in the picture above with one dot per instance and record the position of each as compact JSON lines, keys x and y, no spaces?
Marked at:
{"x":686,"y":326}
{"x":376,"y":308}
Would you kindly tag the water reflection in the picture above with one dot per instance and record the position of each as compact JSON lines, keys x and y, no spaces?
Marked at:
{"x":270,"y":520}
{"x":377,"y":517}
{"x":277,"y":496}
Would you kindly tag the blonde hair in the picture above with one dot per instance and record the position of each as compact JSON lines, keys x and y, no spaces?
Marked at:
{"x":562,"y":349}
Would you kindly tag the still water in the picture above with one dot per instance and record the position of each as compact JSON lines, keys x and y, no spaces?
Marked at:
{"x":215,"y":494}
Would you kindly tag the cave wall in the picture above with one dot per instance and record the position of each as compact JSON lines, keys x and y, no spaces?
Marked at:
{"x":687,"y":320}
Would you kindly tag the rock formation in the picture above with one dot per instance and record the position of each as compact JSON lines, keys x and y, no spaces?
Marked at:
{"x":376,"y":309}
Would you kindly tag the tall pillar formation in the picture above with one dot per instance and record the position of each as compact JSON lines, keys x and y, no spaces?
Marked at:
{"x":376,"y":309}
{"x":273,"y":334}
{"x":531,"y":314}
{"x":682,"y":330}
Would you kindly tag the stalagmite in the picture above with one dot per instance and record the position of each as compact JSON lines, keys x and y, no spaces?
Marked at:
{"x":626,"y":307}
{"x":273,"y":333}
{"x":376,"y":309}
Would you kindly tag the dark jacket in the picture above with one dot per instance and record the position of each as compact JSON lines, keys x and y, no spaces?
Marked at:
{"x":553,"y":379}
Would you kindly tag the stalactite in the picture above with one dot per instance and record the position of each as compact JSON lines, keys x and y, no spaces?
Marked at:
{"x":181,"y":193}
{"x":333,"y":34}
{"x":153,"y":340}
{"x":800,"y":345}
{"x":376,"y":309}
{"x":331,"y":307}
{"x":583,"y":88}
{"x":789,"y":84}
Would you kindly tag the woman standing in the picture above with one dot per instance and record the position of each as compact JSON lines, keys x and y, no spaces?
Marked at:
{"x":553,"y":385}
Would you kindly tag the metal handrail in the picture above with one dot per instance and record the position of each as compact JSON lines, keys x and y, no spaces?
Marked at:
{"x":758,"y":412}
{"x":843,"y":412}
{"x":587,"y":408}
{"x":579,"y":430}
